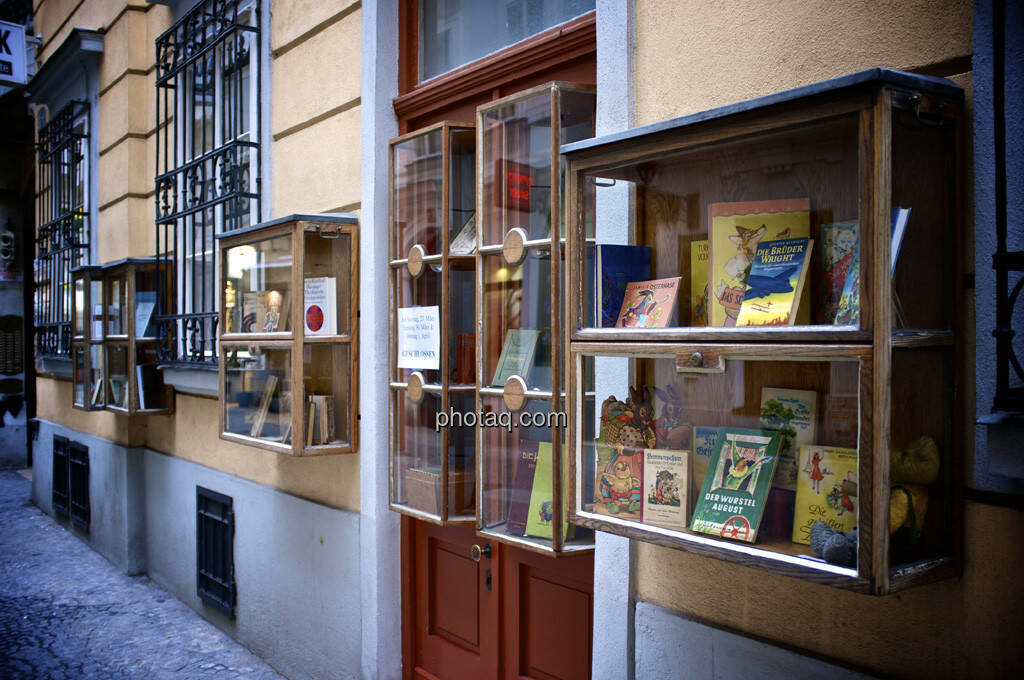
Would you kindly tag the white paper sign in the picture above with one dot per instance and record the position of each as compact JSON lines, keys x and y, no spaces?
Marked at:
{"x":12,"y":54}
{"x":419,"y":337}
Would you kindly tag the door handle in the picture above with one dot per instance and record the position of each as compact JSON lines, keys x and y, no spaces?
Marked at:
{"x":476,"y":552}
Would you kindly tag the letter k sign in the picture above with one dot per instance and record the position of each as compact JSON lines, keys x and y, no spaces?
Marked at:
{"x":5,"y":33}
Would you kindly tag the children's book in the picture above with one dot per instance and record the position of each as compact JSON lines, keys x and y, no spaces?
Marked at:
{"x":848,"y":308}
{"x":618,"y":488}
{"x":736,"y":229}
{"x":775,"y":284}
{"x":649,"y":304}
{"x":616,"y":267}
{"x":516,"y":355}
{"x":254,"y":310}
{"x":464,"y":242}
{"x":541,"y":513}
{"x":735,"y":490}
{"x":667,"y":475}
{"x":703,"y":444}
{"x":522,"y":488}
{"x":145,"y":304}
{"x":900,"y":217}
{"x":321,"y":299}
{"x":840,"y":243}
{"x":826,"y":490}
{"x":794,"y":415}
{"x":699,"y":283}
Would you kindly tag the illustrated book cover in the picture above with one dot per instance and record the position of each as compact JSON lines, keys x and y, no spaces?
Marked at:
{"x":775,"y":284}
{"x":848,"y":307}
{"x":649,"y":304}
{"x":794,"y":415}
{"x":667,"y":475}
{"x":735,"y":490}
{"x":840,"y":244}
{"x":617,"y":266}
{"x":826,"y":490}
{"x":703,"y":445}
{"x":618,"y":489}
{"x":699,"y":283}
{"x":320,"y":314}
{"x":522,"y":487}
{"x":736,"y":229}
{"x":540,"y":516}
{"x":517,"y":355}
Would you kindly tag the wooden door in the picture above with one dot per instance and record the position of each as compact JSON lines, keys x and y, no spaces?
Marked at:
{"x":512,"y":614}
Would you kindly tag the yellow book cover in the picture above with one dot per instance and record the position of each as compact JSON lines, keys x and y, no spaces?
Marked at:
{"x":699,"y":283}
{"x":735,"y":230}
{"x":826,"y":490}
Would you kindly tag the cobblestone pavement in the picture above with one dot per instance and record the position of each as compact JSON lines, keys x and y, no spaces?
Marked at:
{"x":67,"y":613}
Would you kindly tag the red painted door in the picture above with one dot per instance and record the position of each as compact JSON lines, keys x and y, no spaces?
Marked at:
{"x":512,"y":614}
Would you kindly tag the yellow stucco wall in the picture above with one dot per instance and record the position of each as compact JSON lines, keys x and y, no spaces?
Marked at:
{"x":696,"y":55}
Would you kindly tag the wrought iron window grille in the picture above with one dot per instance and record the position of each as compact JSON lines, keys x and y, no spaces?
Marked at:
{"x":208,"y":163}
{"x":215,"y":560}
{"x":62,"y":236}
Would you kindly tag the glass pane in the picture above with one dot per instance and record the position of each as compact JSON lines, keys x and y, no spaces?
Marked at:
{"x":80,"y":311}
{"x":327,"y":273}
{"x":462,"y":192}
{"x":149,"y":379}
{"x":327,"y":381}
{"x":257,"y":288}
{"x":423,"y":291}
{"x":145,"y":303}
{"x":456,"y":32}
{"x":417,"y":197}
{"x":96,"y":396}
{"x":462,"y":343}
{"x":257,"y":393}
{"x":117,"y":376}
{"x":518,"y":467}
{"x":757,"y":452}
{"x":760,"y":231}
{"x":96,"y":300}
{"x":517,"y":318}
{"x":79,"y":378}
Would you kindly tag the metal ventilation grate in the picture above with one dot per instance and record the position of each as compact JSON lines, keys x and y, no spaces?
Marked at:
{"x":78,"y":478}
{"x":60,"y":475}
{"x":215,"y":559}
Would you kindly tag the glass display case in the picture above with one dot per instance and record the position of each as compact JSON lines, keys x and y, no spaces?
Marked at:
{"x":765,"y":352}
{"x":433,"y":350}
{"x":289,"y":324}
{"x":87,"y":326}
{"x":521,"y":315}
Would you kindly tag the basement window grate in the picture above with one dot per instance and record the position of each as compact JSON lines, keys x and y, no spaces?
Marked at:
{"x":78,"y":478}
{"x":59,"y":495}
{"x":215,"y":560}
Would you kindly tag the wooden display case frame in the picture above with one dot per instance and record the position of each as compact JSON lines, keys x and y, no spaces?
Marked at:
{"x":516,"y":393}
{"x":873,"y":96}
{"x":126,"y":272}
{"x":297,"y":228}
{"x":84,"y":341}
{"x":432,"y":492}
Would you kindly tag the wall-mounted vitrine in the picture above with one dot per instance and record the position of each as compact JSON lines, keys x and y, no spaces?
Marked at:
{"x":433,"y":348}
{"x":115,"y":340}
{"x":520,"y":315}
{"x":764,"y":358}
{"x":289,"y":317}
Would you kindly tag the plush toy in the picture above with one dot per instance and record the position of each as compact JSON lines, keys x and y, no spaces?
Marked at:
{"x":911,"y":470}
{"x":835,"y":547}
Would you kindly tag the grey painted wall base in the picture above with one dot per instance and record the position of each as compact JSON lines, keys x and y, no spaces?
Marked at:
{"x":117,"y":521}
{"x":670,"y":646}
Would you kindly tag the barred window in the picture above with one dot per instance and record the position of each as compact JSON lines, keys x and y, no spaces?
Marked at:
{"x":62,"y":236}
{"x":208,"y":162}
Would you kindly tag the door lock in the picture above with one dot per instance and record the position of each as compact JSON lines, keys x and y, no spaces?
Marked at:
{"x":476,"y":552}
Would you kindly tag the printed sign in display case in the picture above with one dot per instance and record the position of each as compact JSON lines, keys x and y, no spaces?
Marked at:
{"x":114,"y":345}
{"x":288,"y":329}
{"x":764,"y":352}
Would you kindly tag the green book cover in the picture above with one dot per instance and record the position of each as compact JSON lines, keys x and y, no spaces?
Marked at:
{"x":735,"y":488}
{"x":516,"y":355}
{"x":541,"y":512}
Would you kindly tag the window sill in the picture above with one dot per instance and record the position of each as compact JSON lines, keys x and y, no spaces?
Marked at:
{"x":191,"y":380}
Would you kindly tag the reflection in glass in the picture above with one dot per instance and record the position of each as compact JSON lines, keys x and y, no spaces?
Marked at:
{"x":257,"y":393}
{"x":257,"y":288}
{"x":117,"y":376}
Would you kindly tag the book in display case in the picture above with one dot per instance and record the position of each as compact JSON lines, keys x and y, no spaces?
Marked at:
{"x":432,"y":357}
{"x":521,"y":312}
{"x":798,"y":410}
{"x":288,"y":334}
{"x":114,"y":338}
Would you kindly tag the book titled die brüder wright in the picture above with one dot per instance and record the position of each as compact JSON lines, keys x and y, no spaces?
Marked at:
{"x":735,"y":489}
{"x":735,"y":231}
{"x":775,"y":284}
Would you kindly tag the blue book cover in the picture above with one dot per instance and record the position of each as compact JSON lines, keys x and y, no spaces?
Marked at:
{"x":618,"y":266}
{"x":775,"y":283}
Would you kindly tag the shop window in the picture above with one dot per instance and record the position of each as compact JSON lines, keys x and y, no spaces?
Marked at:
{"x":59,"y":494}
{"x":456,"y":32}
{"x":208,"y":162}
{"x":215,"y":559}
{"x":78,"y":484}
{"x":62,"y":236}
